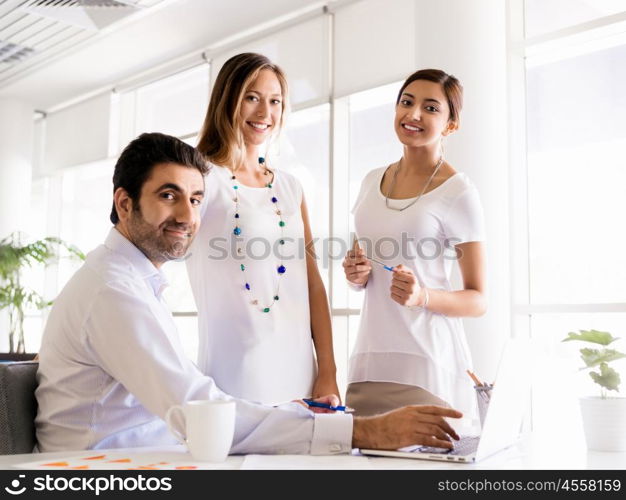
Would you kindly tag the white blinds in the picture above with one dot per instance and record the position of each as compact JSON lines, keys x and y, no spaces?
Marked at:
{"x":375,"y":44}
{"x":301,"y":51}
{"x":78,"y":134}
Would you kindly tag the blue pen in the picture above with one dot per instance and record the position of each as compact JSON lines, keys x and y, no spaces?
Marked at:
{"x":317,"y":404}
{"x":355,"y":244}
{"x":381,"y":263}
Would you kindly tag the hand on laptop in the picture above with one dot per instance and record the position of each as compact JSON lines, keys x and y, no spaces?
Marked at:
{"x":406,"y":426}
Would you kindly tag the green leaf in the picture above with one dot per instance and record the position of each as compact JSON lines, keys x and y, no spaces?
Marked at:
{"x":594,"y":357}
{"x":14,"y":257}
{"x":607,"y":378}
{"x":594,"y":336}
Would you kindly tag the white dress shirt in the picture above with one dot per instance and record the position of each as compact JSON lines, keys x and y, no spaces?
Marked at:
{"x":111,"y":364}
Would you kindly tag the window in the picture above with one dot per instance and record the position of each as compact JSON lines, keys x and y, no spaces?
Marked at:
{"x":373,"y":143}
{"x":174,"y":105}
{"x":543,"y":16}
{"x":576,"y":174}
{"x":575,"y":169}
{"x":303,"y":152}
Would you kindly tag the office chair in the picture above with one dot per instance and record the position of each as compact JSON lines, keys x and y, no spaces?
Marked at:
{"x":18,"y":407}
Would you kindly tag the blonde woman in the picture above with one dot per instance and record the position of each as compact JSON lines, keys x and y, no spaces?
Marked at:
{"x":264,"y":319}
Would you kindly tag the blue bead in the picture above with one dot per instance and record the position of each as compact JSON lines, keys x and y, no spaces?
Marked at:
{"x":274,"y":199}
{"x":236,"y":216}
{"x":261,"y":160}
{"x":237,"y":231}
{"x":282,"y":269}
{"x":247,"y":286}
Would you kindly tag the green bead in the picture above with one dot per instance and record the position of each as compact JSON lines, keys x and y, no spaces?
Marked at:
{"x":275,"y":297}
{"x":281,"y":223}
{"x":266,"y":310}
{"x":269,"y":185}
{"x":243,"y":267}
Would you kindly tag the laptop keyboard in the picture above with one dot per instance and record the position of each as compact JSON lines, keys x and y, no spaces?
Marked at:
{"x":465,"y":446}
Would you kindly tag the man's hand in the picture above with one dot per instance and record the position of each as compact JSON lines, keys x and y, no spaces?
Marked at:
{"x":410,"y":425}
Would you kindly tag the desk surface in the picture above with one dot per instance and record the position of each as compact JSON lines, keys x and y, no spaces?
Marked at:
{"x":530,"y":453}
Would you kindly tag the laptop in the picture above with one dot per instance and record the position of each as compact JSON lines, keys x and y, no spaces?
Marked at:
{"x":503,"y":420}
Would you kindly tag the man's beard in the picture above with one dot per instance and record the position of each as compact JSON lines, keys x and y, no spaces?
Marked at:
{"x":153,"y":242}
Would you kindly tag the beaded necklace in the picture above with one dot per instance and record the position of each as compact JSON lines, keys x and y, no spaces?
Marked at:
{"x":281,"y":269}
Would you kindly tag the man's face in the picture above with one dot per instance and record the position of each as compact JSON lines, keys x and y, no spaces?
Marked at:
{"x":166,"y":218}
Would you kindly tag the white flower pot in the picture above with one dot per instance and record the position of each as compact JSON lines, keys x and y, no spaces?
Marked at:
{"x":604,"y":421}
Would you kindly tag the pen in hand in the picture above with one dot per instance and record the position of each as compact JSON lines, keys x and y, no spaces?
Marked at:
{"x":317,"y":404}
{"x":355,"y":247}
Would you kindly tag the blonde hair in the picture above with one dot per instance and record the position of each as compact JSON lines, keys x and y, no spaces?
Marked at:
{"x":221,"y":140}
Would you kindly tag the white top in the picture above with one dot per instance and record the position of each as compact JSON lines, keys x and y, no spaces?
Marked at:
{"x":415,"y":346}
{"x":111,"y":364}
{"x":264,"y":357}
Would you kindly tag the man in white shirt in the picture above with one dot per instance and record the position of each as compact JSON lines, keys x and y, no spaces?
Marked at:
{"x":111,"y":362}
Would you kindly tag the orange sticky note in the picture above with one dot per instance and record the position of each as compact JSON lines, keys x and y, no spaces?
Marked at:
{"x":99,"y":457}
{"x":120,"y":461}
{"x":56,"y":464}
{"x":80,"y":467}
{"x":186,"y":467}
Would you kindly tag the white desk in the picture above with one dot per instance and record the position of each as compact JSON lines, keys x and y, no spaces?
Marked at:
{"x":531,"y":453}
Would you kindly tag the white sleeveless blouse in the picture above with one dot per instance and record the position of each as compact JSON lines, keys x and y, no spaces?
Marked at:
{"x":263,"y":357}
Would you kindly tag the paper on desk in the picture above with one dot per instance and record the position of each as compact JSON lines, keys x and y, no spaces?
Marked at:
{"x":305,"y":462}
{"x":123,"y":461}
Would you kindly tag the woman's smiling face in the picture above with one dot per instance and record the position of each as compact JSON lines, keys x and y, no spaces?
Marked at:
{"x":422,"y":114}
{"x":262,"y":108}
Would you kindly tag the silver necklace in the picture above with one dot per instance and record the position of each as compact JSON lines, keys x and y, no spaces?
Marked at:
{"x":393,"y":184}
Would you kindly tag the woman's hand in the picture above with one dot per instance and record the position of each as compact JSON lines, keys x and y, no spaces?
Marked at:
{"x":356,"y":267}
{"x":405,"y":289}
{"x":330,"y":399}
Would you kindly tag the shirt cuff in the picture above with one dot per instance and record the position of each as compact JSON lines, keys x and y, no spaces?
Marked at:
{"x":355,"y":287}
{"x":332,"y":434}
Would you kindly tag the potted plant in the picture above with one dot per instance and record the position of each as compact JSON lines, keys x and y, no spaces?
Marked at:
{"x":604,"y":416}
{"x":14,"y":296}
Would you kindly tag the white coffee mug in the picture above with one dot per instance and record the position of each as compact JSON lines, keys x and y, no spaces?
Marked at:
{"x":209,"y":428}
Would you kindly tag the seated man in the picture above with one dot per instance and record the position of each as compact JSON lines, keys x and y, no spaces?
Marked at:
{"x":111,"y":362}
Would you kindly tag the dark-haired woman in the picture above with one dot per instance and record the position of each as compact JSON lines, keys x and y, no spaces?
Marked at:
{"x":418,"y":215}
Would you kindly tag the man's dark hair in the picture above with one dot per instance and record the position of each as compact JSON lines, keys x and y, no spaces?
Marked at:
{"x":145,"y":152}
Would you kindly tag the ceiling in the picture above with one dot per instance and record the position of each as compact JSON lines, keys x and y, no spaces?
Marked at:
{"x":52,"y":51}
